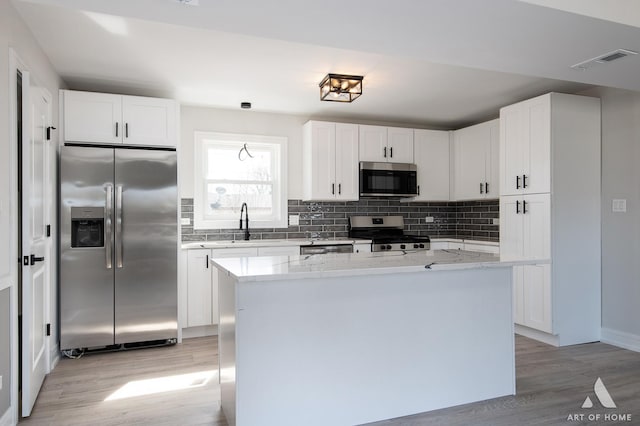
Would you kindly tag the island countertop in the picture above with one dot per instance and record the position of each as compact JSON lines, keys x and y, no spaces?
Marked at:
{"x":270,"y":268}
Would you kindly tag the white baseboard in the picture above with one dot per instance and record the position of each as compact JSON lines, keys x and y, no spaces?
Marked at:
{"x":54,"y":356}
{"x":7,"y":418}
{"x":621,"y":339}
{"x":205,"y":330}
{"x":540,"y":336}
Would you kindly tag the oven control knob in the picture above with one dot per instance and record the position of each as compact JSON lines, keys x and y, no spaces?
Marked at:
{"x":415,"y":246}
{"x":402,"y":247}
{"x":388,"y":247}
{"x":421,"y":245}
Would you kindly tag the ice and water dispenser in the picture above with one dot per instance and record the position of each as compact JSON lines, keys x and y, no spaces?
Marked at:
{"x":87,"y":227}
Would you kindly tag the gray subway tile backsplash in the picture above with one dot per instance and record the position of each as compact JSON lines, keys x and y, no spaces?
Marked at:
{"x":462,"y":219}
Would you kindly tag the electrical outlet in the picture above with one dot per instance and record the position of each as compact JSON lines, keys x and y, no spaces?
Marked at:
{"x":429,"y":219}
{"x":496,"y":221}
{"x":619,"y":206}
{"x":294,"y":220}
{"x":185,"y":221}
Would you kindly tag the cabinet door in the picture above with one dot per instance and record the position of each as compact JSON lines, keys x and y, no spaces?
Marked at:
{"x":399,"y":145}
{"x":320,"y":158}
{"x":373,"y":143}
{"x":199,"y":289}
{"x":346,"y":162}
{"x":492,"y":188}
{"x":362,"y":248}
{"x":537,"y":226}
{"x":537,"y":155}
{"x":279,"y":251}
{"x":512,"y":142}
{"x":183,"y":288}
{"x":518,"y":295}
{"x":92,"y":117}
{"x":537,"y":297}
{"x":471,"y":150}
{"x":431,"y":155}
{"x":149,"y":121}
{"x":221,"y":253}
{"x":511,"y":228}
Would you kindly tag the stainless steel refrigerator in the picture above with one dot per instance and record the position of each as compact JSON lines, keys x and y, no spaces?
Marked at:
{"x":118,"y":246}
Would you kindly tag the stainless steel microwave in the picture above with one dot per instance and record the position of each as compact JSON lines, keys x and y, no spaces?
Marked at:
{"x":388,"y":179}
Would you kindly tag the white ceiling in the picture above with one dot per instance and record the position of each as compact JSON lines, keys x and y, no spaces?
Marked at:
{"x":438,"y":63}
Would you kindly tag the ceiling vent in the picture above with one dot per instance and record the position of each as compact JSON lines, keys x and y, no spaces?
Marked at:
{"x":603,"y":59}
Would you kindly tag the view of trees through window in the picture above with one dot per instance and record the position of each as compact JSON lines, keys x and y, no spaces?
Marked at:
{"x":235,"y":176}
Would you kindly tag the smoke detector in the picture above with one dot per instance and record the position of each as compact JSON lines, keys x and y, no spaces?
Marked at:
{"x":606,"y":58}
{"x":188,"y":2}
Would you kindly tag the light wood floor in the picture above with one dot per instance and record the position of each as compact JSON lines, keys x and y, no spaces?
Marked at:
{"x":551,"y":384}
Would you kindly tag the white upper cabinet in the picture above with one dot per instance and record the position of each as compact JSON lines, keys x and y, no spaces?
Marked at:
{"x":431,"y":155}
{"x":386,"y":144}
{"x":149,"y":121}
{"x":476,"y":171}
{"x":400,"y":145}
{"x":92,"y":117}
{"x":330,"y":158}
{"x":525,"y":147}
{"x":116,"y":119}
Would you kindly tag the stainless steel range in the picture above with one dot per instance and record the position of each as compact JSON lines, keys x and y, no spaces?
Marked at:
{"x":387,"y":233}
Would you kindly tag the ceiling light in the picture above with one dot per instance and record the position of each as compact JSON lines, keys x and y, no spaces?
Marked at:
{"x":341,"y":88}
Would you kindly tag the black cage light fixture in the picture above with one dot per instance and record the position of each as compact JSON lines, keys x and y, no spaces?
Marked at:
{"x":341,"y":88}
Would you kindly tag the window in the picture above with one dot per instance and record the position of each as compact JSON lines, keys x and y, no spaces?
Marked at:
{"x":231,"y":169}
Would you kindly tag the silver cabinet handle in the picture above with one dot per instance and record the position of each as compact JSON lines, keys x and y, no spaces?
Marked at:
{"x":108,"y":232}
{"x":119,"y":255}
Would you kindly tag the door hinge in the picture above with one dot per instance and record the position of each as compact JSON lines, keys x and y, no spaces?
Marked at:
{"x":49,"y":129}
{"x":48,"y":329}
{"x":48,"y":230}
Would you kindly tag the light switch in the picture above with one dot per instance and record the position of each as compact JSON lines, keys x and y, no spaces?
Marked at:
{"x":496,"y":221}
{"x":429,"y":219}
{"x":294,"y":220}
{"x":619,"y":206}
{"x":185,"y":221}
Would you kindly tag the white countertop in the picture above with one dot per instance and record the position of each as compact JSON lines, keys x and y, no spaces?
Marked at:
{"x":270,"y":268}
{"x":272,"y":243}
{"x":304,"y":241}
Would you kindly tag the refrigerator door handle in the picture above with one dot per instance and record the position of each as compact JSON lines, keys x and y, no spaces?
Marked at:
{"x":107,"y":228}
{"x":119,"y":256}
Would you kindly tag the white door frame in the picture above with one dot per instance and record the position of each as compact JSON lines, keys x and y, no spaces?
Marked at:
{"x":17,"y":64}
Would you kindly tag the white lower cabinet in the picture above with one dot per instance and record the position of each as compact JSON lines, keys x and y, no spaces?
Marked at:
{"x":362,"y":248}
{"x":199,"y":291}
{"x":201,"y":283}
{"x":532,"y":297}
{"x":199,"y":280}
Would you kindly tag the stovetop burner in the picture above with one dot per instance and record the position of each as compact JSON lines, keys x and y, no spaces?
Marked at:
{"x":386,"y":232}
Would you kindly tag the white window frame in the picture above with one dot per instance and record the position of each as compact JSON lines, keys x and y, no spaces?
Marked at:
{"x":199,"y":188}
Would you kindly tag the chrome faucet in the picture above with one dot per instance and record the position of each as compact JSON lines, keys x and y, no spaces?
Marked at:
{"x":245,"y":210}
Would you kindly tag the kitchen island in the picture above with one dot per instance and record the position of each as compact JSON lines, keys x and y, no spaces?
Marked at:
{"x":354,"y":338}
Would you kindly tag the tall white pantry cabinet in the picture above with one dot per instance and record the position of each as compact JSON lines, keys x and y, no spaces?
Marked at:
{"x":550,"y":211}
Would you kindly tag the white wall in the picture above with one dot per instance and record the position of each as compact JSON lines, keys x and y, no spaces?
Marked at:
{"x":14,"y":34}
{"x":245,"y":122}
{"x":620,"y":231}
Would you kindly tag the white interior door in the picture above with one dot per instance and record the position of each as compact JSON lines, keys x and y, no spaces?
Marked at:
{"x":36,"y":254}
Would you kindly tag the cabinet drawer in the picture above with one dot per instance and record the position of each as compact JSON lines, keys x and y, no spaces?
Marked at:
{"x":279,"y":251}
